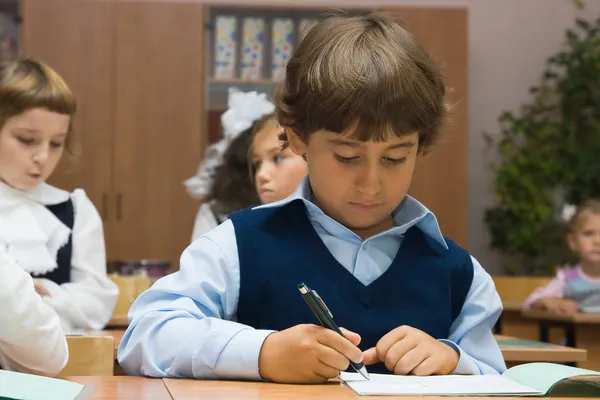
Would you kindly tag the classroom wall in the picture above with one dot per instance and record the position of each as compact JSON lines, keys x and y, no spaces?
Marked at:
{"x":509,"y":41}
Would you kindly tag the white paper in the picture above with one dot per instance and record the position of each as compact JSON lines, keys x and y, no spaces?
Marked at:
{"x":446,"y":385}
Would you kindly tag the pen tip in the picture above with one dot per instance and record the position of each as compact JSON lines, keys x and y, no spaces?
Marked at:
{"x":301,"y":285}
{"x":364,"y":373}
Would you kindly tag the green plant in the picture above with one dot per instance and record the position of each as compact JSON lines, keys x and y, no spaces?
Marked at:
{"x":549,"y":155}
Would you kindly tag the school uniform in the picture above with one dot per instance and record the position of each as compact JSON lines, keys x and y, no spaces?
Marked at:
{"x":31,"y":338}
{"x":57,"y":237}
{"x":237,"y":284}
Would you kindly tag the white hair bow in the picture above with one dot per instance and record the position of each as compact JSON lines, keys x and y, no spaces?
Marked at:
{"x":568,"y":211}
{"x":244,"y":109}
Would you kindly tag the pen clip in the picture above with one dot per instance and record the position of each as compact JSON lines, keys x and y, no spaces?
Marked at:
{"x":320,"y":300}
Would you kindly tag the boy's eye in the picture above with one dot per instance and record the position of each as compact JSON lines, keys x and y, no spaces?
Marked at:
{"x":278,"y":157}
{"x":345,"y":160}
{"x":56,"y":145}
{"x":394,"y":160}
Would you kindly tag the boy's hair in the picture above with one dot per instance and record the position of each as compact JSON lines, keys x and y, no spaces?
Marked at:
{"x":362,"y":75}
{"x":583,"y":212}
{"x":232,"y":187}
{"x":27,"y":84}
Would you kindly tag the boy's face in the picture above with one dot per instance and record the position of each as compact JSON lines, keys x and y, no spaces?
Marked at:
{"x":356,"y":183}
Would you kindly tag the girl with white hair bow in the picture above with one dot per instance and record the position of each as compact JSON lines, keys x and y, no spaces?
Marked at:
{"x":224,"y":182}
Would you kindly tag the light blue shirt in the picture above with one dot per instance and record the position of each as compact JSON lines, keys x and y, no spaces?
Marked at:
{"x":184,"y":325}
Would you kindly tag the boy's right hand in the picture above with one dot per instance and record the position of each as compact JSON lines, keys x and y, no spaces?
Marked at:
{"x":557,"y":305}
{"x":307,"y":354}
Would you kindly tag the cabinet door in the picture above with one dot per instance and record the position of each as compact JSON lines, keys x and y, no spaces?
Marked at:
{"x":159,"y":113}
{"x":440,"y":180}
{"x":76,"y":38}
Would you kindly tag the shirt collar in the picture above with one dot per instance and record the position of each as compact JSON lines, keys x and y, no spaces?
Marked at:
{"x":29,"y":232}
{"x":410,"y":212}
{"x":43,"y":194}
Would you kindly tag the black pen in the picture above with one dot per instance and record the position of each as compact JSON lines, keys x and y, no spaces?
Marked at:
{"x":318,"y":307}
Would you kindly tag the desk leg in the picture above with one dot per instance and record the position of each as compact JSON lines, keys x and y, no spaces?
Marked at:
{"x":570,"y":335}
{"x":544,"y":332}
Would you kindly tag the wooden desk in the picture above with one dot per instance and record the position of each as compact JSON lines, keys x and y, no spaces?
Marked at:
{"x":116,"y":334}
{"x":118,"y":322}
{"x":581,"y":330}
{"x":124,"y":387}
{"x":579,"y":318}
{"x":184,"y":389}
{"x":518,"y":351}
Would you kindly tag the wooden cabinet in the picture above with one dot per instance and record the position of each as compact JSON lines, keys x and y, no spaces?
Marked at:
{"x":132,"y":66}
{"x":440,"y":180}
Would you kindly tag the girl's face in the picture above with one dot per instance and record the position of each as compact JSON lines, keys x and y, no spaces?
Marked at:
{"x":585,"y":241}
{"x":277,"y":172}
{"x":31,"y":145}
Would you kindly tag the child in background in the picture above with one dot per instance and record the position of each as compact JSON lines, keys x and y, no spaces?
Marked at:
{"x":53,"y":235}
{"x":576,"y":288}
{"x":361,"y":99}
{"x":31,"y":338}
{"x":223,"y":181}
{"x":277,"y":170}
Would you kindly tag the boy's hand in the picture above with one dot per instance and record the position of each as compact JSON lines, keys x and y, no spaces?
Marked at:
{"x":557,"y":305}
{"x":407,"y":350}
{"x":307,"y":354}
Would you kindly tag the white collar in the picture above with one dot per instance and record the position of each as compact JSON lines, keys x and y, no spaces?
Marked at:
{"x":29,"y":232}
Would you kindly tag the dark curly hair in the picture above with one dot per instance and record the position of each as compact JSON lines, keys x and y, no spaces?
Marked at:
{"x":233,"y":186}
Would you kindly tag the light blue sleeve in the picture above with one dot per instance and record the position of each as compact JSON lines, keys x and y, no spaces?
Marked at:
{"x":471,"y":333}
{"x":183,"y":326}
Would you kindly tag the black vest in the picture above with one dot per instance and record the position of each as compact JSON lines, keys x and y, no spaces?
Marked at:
{"x":66,"y":214}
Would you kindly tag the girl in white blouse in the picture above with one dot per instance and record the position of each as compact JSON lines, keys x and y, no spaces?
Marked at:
{"x":53,"y":235}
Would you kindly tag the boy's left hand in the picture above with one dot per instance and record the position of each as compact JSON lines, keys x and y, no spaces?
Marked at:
{"x":407,"y":350}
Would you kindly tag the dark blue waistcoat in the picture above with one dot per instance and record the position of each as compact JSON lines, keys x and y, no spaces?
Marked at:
{"x":425,"y":286}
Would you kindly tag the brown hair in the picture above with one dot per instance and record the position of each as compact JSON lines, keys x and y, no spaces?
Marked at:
{"x":582,"y":212}
{"x":362,"y":75}
{"x":27,"y":84}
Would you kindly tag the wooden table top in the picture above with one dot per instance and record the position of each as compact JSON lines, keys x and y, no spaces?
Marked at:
{"x":136,"y":388}
{"x":123,"y":387}
{"x":184,"y":389}
{"x":521,"y":350}
{"x":579,"y":318}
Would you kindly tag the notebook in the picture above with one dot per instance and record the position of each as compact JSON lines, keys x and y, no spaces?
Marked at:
{"x":534,"y":379}
{"x":19,"y":386}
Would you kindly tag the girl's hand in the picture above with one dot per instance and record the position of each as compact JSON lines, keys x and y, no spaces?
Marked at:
{"x":557,"y":305}
{"x":40,"y":289}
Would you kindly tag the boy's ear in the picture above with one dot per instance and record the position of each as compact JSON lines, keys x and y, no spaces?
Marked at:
{"x":295,"y":141}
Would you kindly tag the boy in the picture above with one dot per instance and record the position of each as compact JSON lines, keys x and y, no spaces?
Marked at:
{"x":360,"y":100}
